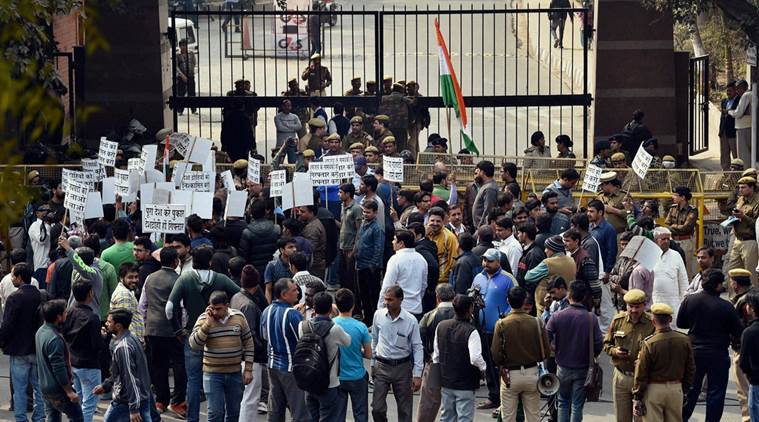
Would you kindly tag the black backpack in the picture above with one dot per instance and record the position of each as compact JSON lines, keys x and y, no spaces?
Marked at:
{"x":311,"y":364}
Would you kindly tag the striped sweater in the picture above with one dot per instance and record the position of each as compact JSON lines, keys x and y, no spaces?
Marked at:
{"x":225,"y":343}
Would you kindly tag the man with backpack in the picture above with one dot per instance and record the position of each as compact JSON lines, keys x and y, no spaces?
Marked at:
{"x":279,"y":328}
{"x":315,"y":362}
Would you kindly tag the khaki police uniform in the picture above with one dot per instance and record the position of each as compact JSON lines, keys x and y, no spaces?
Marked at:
{"x":664,"y":370}
{"x":682,"y":223}
{"x":615,"y":200}
{"x":626,"y":334}
{"x":742,"y":385}
{"x":744,"y":253}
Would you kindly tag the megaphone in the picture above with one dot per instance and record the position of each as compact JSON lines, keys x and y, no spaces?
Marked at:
{"x":548,"y":383}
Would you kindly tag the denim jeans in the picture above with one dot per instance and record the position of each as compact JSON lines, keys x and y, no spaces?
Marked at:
{"x":322,"y":407}
{"x":54,"y":409}
{"x":457,"y":405}
{"x":119,"y":412}
{"x":23,"y":369}
{"x":85,"y":380}
{"x":358,"y":391}
{"x":193,"y":365}
{"x":224,"y":394}
{"x":753,"y":402}
{"x":571,"y":393}
{"x":715,"y":365}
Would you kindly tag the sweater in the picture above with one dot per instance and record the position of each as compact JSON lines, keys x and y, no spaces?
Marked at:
{"x":225,"y":343}
{"x":288,"y":125}
{"x":193,"y":289}
{"x":53,"y":362}
{"x":20,"y":321}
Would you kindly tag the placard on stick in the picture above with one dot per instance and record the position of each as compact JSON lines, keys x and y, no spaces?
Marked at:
{"x":107,"y":152}
{"x":393,"y":167}
{"x":642,"y":162}
{"x":277,"y":184}
{"x":198,"y":181}
{"x":166,"y":218}
{"x":254,"y":170}
{"x":592,"y":178}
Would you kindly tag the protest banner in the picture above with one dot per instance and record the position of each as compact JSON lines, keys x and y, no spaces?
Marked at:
{"x":200,"y":150}
{"x":108,"y":190}
{"x":254,"y":170}
{"x":135,"y":165}
{"x":641,"y":162}
{"x":236,"y":200}
{"x":592,"y":178}
{"x":93,"y":206}
{"x":277,"y":183}
{"x":210,"y":163}
{"x":163,"y":218}
{"x":76,"y":200}
{"x":180,"y":168}
{"x":182,"y":197}
{"x":182,"y":143}
{"x":127,"y":184}
{"x":343,"y":166}
{"x":84,"y":178}
{"x":198,"y":181}
{"x":393,"y":167}
{"x":202,"y":204}
{"x":299,"y":192}
{"x":323,"y":173}
{"x":228,"y":181}
{"x":644,"y":251}
{"x":92,"y":166}
{"x":148,"y":156}
{"x":107,"y":152}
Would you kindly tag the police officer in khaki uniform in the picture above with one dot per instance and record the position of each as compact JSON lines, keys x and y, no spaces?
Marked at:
{"x":355,"y":88}
{"x":356,"y":149}
{"x":390,"y":147}
{"x":740,"y":281}
{"x":681,"y":220}
{"x":387,"y":85}
{"x":356,"y":134}
{"x":317,"y":77}
{"x":313,"y":139}
{"x":744,"y":253}
{"x":664,"y":370}
{"x":380,"y":129}
{"x":623,"y":342}
{"x":372,"y":154}
{"x":613,"y":199}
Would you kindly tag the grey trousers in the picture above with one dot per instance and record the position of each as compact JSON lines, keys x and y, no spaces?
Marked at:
{"x":430,"y":397}
{"x":283,"y":394}
{"x":399,"y":377}
{"x":743,"y":142}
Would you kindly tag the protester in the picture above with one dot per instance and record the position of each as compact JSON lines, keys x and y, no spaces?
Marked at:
{"x":124,"y":298}
{"x":407,"y":269}
{"x":354,"y":383}
{"x":670,"y":276}
{"x":368,"y":251}
{"x":398,"y":357}
{"x":749,"y":356}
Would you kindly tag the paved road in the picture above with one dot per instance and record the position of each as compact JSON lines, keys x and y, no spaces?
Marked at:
{"x":594,"y":412}
{"x":485,"y":53}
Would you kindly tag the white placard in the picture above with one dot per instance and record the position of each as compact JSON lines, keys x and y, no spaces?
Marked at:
{"x":201,"y":148}
{"x":94,"y":206}
{"x":165,"y":185}
{"x":76,"y":200}
{"x":343,"y":165}
{"x":228,"y":181}
{"x":81,"y":177}
{"x":107,"y":152}
{"x":161,"y":196}
{"x":135,"y":165}
{"x":641,"y":162}
{"x":323,"y":173}
{"x":202,"y":204}
{"x":182,"y":197}
{"x":154,"y":176}
{"x":210,"y":163}
{"x":644,"y":251}
{"x":109,"y":190}
{"x":277,"y":183}
{"x":180,"y":168}
{"x":148,"y":157}
{"x":287,"y":196}
{"x":393,"y":168}
{"x":254,"y":170}
{"x":303,"y":190}
{"x":146,"y":194}
{"x":236,"y":200}
{"x":198,"y":181}
{"x":181,"y":143}
{"x":592,"y":178}
{"x":166,"y":218}
{"x":127,"y":184}
{"x":92,"y":166}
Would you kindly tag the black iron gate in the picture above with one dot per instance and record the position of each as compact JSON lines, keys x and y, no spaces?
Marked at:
{"x":513,"y":78}
{"x":698,"y":105}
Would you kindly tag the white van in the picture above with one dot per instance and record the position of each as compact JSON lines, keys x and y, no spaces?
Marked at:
{"x":185,"y":30}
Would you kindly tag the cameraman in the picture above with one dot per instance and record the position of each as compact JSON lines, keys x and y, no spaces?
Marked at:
{"x":494,"y":285}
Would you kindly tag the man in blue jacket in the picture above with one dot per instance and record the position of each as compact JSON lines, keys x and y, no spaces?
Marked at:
{"x":369,"y":250}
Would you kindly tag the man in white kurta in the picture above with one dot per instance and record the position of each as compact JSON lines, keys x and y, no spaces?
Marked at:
{"x":670,"y":276}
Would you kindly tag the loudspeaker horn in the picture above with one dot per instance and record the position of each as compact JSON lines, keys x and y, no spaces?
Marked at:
{"x":548,"y":384}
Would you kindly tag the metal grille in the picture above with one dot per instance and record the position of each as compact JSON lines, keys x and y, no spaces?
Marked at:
{"x":698,"y":105}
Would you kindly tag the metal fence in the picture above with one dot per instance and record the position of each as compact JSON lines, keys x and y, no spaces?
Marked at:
{"x":499,"y":54}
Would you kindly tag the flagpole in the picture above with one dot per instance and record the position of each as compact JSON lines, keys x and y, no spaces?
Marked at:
{"x":448,"y":119}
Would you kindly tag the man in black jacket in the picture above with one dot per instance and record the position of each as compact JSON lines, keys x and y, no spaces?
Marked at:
{"x":142,"y":252}
{"x":749,"y":361}
{"x":428,"y":250}
{"x":259,"y":239}
{"x":81,"y":330}
{"x":20,"y":323}
{"x":485,"y":238}
{"x":532,"y":255}
{"x":429,"y":402}
{"x":713,"y":325}
{"x":60,"y":284}
{"x":727,"y":147}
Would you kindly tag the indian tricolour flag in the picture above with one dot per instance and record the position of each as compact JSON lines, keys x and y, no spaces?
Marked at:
{"x":451,"y":91}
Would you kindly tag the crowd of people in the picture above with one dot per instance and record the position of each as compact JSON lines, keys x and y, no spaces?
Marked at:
{"x":432,"y":290}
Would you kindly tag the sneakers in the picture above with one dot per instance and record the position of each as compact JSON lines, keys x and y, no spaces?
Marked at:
{"x":160,"y":407}
{"x":179,"y":409}
{"x":487,"y":404}
{"x":263,"y":408}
